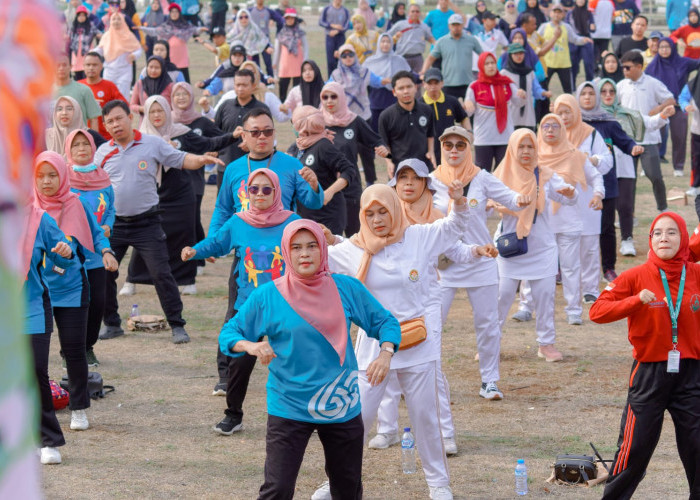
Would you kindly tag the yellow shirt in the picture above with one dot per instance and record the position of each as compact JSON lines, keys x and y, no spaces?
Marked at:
{"x":222,"y":53}
{"x":558,"y":56}
{"x":365,"y":46}
{"x":537,"y":42}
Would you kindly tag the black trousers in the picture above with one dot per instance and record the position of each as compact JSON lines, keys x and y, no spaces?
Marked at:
{"x":457,"y":91}
{"x":51,"y":434}
{"x":652,"y":391}
{"x":625,"y":205}
{"x":71,"y":323}
{"x":218,"y":19}
{"x":353,"y":212}
{"x":599,"y":46}
{"x":284,"y":85}
{"x":694,"y":160}
{"x":148,"y":237}
{"x":485,"y":156}
{"x":198,"y":228}
{"x":286,"y":443}
{"x":267,"y":58}
{"x":185,"y":74}
{"x":96,"y":310}
{"x":367,"y":157}
{"x":608,"y":238}
{"x":564,"y":78}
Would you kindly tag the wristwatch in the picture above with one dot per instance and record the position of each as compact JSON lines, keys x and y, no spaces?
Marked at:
{"x":388,"y":349}
{"x":108,"y":250}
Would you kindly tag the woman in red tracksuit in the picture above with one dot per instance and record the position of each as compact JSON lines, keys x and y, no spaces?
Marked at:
{"x":647,"y":296}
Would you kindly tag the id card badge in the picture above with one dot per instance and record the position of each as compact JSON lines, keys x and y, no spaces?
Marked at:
{"x":674,"y":361}
{"x":58,"y":270}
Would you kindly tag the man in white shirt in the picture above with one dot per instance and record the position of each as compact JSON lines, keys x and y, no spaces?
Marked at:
{"x":650,"y":97}
{"x":491,"y":38}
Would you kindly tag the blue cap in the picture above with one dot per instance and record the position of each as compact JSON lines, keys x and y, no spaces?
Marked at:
{"x":419,"y":167}
{"x":407,"y":429}
{"x":521,"y":461}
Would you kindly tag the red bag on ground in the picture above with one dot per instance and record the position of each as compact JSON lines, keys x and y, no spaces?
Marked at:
{"x":60,"y":396}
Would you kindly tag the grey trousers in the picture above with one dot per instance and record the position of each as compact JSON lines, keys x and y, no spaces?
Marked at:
{"x":678,"y":125}
{"x":652,"y":169}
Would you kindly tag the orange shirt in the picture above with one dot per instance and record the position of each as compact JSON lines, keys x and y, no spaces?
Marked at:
{"x":649,"y":325}
{"x":104,"y":92}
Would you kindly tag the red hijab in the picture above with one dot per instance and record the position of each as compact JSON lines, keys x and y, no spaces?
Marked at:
{"x":306,"y":295}
{"x":674,"y":266}
{"x":493,"y":91}
{"x":273,"y":215}
{"x":94,"y":180}
{"x":65,"y":207}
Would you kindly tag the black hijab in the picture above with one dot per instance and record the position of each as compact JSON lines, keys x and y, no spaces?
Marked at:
{"x":395,"y":16}
{"x":130,"y":9}
{"x":311,"y":92}
{"x":156,"y":86}
{"x":537,"y":12}
{"x":581,"y":17}
{"x":169,"y":66}
{"x":480,"y":14}
{"x":229,"y":70}
{"x":83,"y":27}
{"x":617,"y":75}
{"x":520,"y":69}
{"x":694,"y":25}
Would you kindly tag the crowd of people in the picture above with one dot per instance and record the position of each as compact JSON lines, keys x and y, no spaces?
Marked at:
{"x":461,"y":110}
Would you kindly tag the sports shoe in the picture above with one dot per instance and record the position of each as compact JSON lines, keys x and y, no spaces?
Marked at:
{"x":92,"y":360}
{"x":693,"y":191}
{"x":589,"y":298}
{"x":79,"y":420}
{"x":128,"y":289}
{"x":489,"y":390}
{"x":219,"y":389}
{"x":662,"y":159}
{"x":50,"y":455}
{"x":627,"y":248}
{"x":323,"y":492}
{"x":677,"y":173}
{"x":200,"y":270}
{"x":609,"y":275}
{"x":450,"y":446}
{"x":441,"y":493}
{"x":180,"y":335}
{"x":228,"y":425}
{"x":574,"y":319}
{"x":382,"y":441}
{"x":111,"y":332}
{"x":522,"y":316}
{"x":189,"y":290}
{"x":549,"y":353}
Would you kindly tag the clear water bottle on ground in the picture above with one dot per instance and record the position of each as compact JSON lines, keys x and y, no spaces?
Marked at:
{"x":521,"y":477}
{"x":134,"y":310}
{"x":408,"y":452}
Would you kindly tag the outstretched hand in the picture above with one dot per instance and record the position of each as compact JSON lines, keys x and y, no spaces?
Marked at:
{"x":63,"y":249}
{"x":187,"y":253}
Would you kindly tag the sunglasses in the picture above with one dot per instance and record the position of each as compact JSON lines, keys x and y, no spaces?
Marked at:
{"x":242,"y":17}
{"x":551,"y":126}
{"x":266,"y":190}
{"x":626,"y":67}
{"x":326,"y":97}
{"x":346,"y":55}
{"x":256,"y":133}
{"x":607,"y":91}
{"x":461,"y":146}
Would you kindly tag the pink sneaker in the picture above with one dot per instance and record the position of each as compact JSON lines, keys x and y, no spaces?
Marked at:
{"x":549,"y":353}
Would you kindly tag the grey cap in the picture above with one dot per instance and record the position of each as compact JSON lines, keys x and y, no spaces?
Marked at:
{"x":432,"y":74}
{"x":456,"y":130}
{"x":557,"y":6}
{"x":419,"y":167}
{"x":656,"y":34}
{"x":455,"y":19}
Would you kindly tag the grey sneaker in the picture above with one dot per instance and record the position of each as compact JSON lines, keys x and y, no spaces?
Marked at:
{"x":228,"y":425}
{"x":180,"y":335}
{"x":111,"y":332}
{"x":219,"y":389}
{"x":589,"y":298}
{"x":522,"y":316}
{"x":92,"y":360}
{"x":489,"y":390}
{"x":574,"y":319}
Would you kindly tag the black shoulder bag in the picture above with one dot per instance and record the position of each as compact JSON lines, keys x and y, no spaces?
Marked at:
{"x":509,"y":245}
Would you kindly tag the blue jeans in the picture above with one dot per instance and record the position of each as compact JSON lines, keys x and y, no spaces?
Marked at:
{"x":333,"y":43}
{"x":579,"y":52}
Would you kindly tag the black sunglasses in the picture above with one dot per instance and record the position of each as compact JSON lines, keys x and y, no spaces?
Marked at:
{"x":345,"y":55}
{"x":256,"y":133}
{"x":266,"y":190}
{"x":325,"y":97}
{"x":626,"y":67}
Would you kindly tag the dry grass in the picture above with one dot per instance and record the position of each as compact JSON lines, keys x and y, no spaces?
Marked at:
{"x":152,"y":438}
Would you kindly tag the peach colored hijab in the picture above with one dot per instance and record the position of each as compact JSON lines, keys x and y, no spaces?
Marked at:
{"x":579,"y":131}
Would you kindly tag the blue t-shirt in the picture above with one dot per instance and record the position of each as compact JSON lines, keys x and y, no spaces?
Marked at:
{"x":233,"y":196}
{"x":306,"y":381}
{"x":101,"y":204}
{"x":437,"y":20}
{"x":258,"y":255}
{"x":38,"y":317}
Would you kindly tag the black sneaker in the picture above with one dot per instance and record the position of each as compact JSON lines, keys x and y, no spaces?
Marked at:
{"x":111,"y":332}
{"x":228,"y":425}
{"x":219,"y":389}
{"x":92,"y":360}
{"x":180,"y":335}
{"x":589,"y":298}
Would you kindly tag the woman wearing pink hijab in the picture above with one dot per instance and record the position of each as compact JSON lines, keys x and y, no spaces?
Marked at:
{"x":313,"y":382}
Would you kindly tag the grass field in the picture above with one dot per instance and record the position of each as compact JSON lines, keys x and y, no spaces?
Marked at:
{"x":152,"y":438}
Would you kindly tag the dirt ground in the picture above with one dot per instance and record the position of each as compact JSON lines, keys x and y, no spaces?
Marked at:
{"x":152,"y":438}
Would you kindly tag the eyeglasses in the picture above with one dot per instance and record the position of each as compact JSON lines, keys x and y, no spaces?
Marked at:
{"x":266,"y":190}
{"x":658,"y":233}
{"x":626,"y":67}
{"x":326,"y":97}
{"x":607,"y":91}
{"x":256,"y":133}
{"x":346,"y":55}
{"x":461,"y":146}
{"x":551,"y":126}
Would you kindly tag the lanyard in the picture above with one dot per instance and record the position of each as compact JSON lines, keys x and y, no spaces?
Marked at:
{"x":268,"y":161}
{"x":674,"y":311}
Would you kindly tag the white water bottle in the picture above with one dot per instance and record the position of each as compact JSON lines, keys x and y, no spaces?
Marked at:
{"x":134,"y":310}
{"x":408,"y":452}
{"x":521,"y":477}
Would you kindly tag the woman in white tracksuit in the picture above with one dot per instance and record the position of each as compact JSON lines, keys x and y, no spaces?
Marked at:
{"x":539,"y":264}
{"x":396,"y":262}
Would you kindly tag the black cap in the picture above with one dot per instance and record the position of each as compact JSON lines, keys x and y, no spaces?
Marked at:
{"x":218,"y":30}
{"x":489,"y":15}
{"x":432,"y":74}
{"x":238,"y":48}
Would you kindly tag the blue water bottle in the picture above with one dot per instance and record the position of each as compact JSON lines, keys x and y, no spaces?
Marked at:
{"x":521,"y":477}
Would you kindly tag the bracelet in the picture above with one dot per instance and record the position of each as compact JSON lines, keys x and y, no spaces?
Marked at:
{"x":388,"y":349}
{"x":109,"y":251}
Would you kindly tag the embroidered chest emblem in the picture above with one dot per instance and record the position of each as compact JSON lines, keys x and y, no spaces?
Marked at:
{"x":349,"y":133}
{"x":413,"y":275}
{"x":473,"y":203}
{"x":422,"y":121}
{"x":695,"y":303}
{"x":143,"y":165}
{"x":309,"y":160}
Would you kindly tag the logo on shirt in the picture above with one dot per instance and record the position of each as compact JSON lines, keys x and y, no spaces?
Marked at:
{"x":473,"y":203}
{"x":695,"y":303}
{"x":349,"y":133}
{"x":176,"y":144}
{"x":449,"y":112}
{"x":610,"y":286}
{"x":413,"y":275}
{"x":197,"y":131}
{"x":143,"y":165}
{"x":422,"y":121}
{"x":100,"y":93}
{"x":333,"y":400}
{"x":309,"y":160}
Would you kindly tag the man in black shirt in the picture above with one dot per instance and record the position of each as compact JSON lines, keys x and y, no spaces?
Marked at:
{"x":229,"y":117}
{"x":447,"y":110}
{"x":407,"y":126}
{"x":637,"y":41}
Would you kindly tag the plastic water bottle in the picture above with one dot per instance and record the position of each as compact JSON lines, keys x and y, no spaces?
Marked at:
{"x":408,"y":452}
{"x":134,"y":310}
{"x":521,"y":477}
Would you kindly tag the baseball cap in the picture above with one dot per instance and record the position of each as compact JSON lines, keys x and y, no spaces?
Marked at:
{"x":557,"y":6}
{"x":237,"y":48}
{"x":656,"y":34}
{"x":218,"y":30}
{"x":432,"y":74}
{"x":82,"y":9}
{"x":489,"y":15}
{"x":456,"y":130}
{"x":455,"y":19}
{"x":418,"y":166}
{"x":514,"y":48}
{"x":290,"y":12}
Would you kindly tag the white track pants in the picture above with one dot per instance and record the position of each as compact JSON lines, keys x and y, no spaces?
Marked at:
{"x":542,"y":298}
{"x":590,"y":264}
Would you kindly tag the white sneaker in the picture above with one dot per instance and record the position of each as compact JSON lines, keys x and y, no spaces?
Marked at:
{"x":323,"y":492}
{"x":189,"y":290}
{"x":627,"y":248}
{"x":383,"y":441}
{"x":693,"y":191}
{"x":677,"y":173}
{"x":128,"y":289}
{"x":50,"y":455}
{"x":79,"y":420}
{"x":441,"y":493}
{"x":574,"y":319}
{"x":489,"y":390}
{"x":200,"y":270}
{"x":450,"y":446}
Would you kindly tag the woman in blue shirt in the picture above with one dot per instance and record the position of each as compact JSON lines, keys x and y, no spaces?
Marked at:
{"x":256,"y":236}
{"x":313,"y":382}
{"x":68,"y":288}
{"x":93,"y":186}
